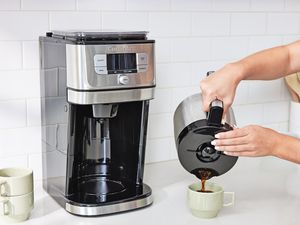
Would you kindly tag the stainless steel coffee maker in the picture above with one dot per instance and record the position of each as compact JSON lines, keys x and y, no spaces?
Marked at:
{"x":96,"y":88}
{"x":194,"y":130}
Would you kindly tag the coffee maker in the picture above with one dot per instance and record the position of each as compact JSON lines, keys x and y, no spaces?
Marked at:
{"x":96,"y":88}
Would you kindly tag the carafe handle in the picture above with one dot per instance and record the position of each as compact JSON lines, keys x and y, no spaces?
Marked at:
{"x":215,"y":113}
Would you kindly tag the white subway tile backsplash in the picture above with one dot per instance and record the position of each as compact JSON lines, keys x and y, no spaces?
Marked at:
{"x":248,"y":23}
{"x":267,"y":5}
{"x":145,"y":5}
{"x":20,"y":141}
{"x":170,"y":24}
{"x":48,"y":5}
{"x":249,"y":114}
{"x":191,"y":5}
{"x":14,"y":161}
{"x":19,"y":84}
{"x":191,"y":49}
{"x":10,"y":5}
{"x":33,"y":112}
{"x":199,"y":70}
{"x":160,"y":125}
{"x":75,"y":20}
{"x":163,"y":49}
{"x":290,"y":38}
{"x":231,"y":5}
{"x":162,"y":101}
{"x":283,"y":23}
{"x":258,"y":43}
{"x":285,"y":94}
{"x":35,"y":163}
{"x":173,"y":152}
{"x":210,"y":24}
{"x":242,"y":93}
{"x":276,"y":112}
{"x":10,"y":55}
{"x":284,"y":127}
{"x":12,"y":114}
{"x":23,"y":25}
{"x":125,"y":21}
{"x":173,"y":75}
{"x":292,"y":5}
{"x":158,"y":150}
{"x":179,"y":94}
{"x":114,"y":5}
{"x":229,"y":48}
{"x":264,"y":91}
{"x":30,"y":55}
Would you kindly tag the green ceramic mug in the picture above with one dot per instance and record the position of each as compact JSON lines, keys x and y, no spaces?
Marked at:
{"x":16,"y":208}
{"x":15,"y":181}
{"x":207,"y":205}
{"x":16,"y":194}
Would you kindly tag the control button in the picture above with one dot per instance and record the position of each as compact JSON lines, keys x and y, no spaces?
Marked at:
{"x":142,"y":59}
{"x":100,"y":60}
{"x":101,"y":70}
{"x":123,"y":80}
{"x":142,"y":68}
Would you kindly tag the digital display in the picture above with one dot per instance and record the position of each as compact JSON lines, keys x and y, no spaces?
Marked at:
{"x":121,"y":62}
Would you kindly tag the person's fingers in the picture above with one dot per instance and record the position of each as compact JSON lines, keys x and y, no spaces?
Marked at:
{"x":207,"y":96}
{"x":230,"y":141}
{"x":233,"y":148}
{"x":226,"y":105}
{"x":239,"y":132}
{"x":242,"y":153}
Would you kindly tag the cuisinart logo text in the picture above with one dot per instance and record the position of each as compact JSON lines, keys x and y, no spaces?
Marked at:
{"x":119,"y":48}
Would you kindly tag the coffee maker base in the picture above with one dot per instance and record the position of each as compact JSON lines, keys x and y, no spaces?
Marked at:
{"x":140,"y":201}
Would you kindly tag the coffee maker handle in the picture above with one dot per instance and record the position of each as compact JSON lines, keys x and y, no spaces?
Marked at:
{"x":215,"y":113}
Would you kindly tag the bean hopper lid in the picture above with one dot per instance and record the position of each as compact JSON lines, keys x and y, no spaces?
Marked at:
{"x":75,"y":35}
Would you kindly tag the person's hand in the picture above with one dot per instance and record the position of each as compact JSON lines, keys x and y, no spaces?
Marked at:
{"x":251,"y":141}
{"x":222,"y":85}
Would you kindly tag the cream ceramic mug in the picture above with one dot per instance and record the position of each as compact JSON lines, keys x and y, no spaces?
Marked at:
{"x":16,"y":208}
{"x":207,"y":205}
{"x":15,"y":181}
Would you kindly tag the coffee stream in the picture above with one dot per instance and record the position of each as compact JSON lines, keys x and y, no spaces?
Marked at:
{"x":204,"y":175}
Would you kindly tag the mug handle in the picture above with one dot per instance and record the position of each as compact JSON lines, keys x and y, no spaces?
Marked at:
{"x":232,"y":199}
{"x":2,"y":188}
{"x":5,"y":208}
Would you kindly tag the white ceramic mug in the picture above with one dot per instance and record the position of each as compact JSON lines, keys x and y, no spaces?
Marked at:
{"x":15,"y":181}
{"x":207,"y":205}
{"x":16,"y":208}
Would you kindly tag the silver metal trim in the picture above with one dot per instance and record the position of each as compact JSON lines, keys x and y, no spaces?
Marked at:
{"x":217,"y":102}
{"x":108,"y":209}
{"x":114,"y":96}
{"x":83,"y":75}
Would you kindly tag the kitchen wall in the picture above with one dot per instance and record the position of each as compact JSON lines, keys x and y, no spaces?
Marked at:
{"x":193,"y":36}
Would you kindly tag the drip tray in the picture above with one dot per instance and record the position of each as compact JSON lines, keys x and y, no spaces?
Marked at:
{"x":102,"y":186}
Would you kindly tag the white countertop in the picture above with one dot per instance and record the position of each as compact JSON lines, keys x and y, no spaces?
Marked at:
{"x":266,"y":193}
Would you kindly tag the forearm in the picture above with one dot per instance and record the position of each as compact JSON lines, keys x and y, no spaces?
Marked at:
{"x":288,"y":148}
{"x":269,"y":64}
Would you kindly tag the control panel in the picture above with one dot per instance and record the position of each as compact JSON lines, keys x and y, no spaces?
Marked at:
{"x":120,"y":63}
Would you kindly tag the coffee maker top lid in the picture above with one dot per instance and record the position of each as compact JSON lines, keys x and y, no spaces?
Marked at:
{"x":98,"y":35}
